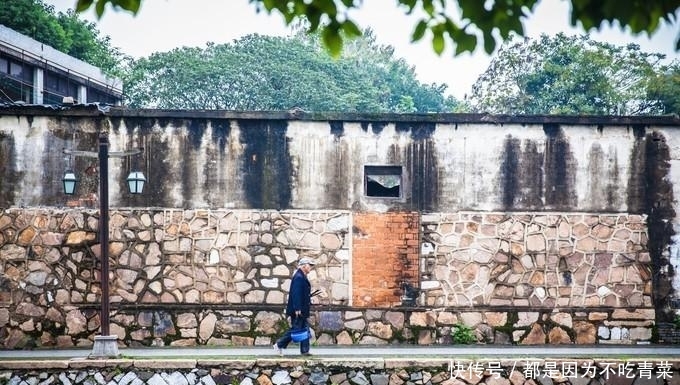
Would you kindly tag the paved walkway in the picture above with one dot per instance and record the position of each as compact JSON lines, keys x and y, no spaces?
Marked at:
{"x":657,"y":352}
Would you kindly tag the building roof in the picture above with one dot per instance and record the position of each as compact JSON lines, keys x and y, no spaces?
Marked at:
{"x":35,"y":52}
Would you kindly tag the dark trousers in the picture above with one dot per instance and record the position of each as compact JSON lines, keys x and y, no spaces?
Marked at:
{"x":297,"y":323}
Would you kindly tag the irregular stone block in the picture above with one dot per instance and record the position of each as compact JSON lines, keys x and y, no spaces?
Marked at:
{"x":557,"y":336}
{"x":281,"y":377}
{"x":330,"y":321}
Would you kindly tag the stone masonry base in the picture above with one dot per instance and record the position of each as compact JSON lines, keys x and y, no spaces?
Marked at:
{"x":343,"y":371}
{"x":261,"y":326}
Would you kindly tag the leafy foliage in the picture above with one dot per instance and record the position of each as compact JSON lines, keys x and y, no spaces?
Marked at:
{"x":65,"y":32}
{"x":567,"y":75}
{"x":461,"y":334}
{"x":490,"y":22}
{"x":35,"y":19}
{"x":280,"y":73}
{"x":665,"y":88}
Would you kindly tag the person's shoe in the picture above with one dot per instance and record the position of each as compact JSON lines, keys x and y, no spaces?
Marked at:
{"x":278,"y":350}
{"x":306,"y":354}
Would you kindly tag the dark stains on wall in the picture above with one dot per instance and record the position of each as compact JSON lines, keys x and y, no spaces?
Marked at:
{"x":139,"y":131}
{"x":531,"y":177}
{"x":157,"y":171}
{"x":421,"y":166}
{"x":658,"y":205}
{"x":55,"y":164}
{"x":266,"y":164}
{"x":336,"y":193}
{"x":87,"y":168}
{"x":216,"y":183}
{"x":509,"y":172}
{"x":520,"y":175}
{"x":613,"y":182}
{"x":196,"y":132}
{"x":337,"y":129}
{"x":560,"y":175}
{"x":419,"y":131}
{"x":423,"y":170}
{"x":9,"y":173}
{"x":375,"y":127}
{"x":596,"y":191}
{"x":635,"y":197}
{"x":603,"y":179}
{"x":394,"y":154}
{"x":189,"y":167}
{"x":144,"y":125}
{"x":649,"y":192}
{"x":221,"y":129}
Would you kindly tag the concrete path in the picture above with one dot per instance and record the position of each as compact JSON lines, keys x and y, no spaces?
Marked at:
{"x":628,"y":352}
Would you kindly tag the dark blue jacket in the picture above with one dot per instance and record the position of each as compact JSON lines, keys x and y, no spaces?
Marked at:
{"x":299,"y":297}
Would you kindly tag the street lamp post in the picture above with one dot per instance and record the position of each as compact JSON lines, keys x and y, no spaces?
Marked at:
{"x":105,"y":345}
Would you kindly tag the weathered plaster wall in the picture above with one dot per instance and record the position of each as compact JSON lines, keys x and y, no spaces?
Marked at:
{"x":265,"y":161}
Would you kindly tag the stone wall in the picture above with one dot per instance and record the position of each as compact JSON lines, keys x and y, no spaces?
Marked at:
{"x":219,"y":277}
{"x":172,"y":256}
{"x":536,"y":260}
{"x":49,"y":269}
{"x":262,"y":325}
{"x":346,"y":371}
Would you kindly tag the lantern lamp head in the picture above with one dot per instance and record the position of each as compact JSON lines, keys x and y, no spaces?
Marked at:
{"x":69,"y":181}
{"x":136,"y":181}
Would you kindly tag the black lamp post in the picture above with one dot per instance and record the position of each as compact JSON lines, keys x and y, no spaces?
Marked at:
{"x":105,"y":345}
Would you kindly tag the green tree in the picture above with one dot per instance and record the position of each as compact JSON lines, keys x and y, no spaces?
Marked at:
{"x":65,"y":32}
{"x":87,"y":45}
{"x":280,"y":73}
{"x":567,"y":75}
{"x":665,"y":88}
{"x":488,"y":22}
{"x":35,"y":19}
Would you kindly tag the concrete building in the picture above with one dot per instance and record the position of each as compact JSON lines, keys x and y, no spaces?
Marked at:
{"x":34,"y":73}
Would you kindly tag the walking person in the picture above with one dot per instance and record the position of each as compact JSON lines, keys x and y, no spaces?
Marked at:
{"x":299,"y":302}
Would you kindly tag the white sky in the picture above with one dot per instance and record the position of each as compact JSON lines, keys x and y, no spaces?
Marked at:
{"x":162,"y":25}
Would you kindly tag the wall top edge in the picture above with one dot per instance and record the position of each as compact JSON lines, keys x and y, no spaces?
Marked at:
{"x":90,"y":110}
{"x":330,"y":211}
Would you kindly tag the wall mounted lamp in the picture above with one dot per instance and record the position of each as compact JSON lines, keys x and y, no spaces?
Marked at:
{"x":69,"y":181}
{"x":136,"y":181}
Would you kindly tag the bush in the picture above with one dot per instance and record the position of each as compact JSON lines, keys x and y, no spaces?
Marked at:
{"x":463,"y":335}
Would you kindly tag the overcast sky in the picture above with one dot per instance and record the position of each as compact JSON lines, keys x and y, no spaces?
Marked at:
{"x":162,"y":25}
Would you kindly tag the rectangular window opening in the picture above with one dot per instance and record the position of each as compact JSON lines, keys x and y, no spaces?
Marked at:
{"x":383,"y":181}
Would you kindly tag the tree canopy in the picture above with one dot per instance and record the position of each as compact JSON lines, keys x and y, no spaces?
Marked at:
{"x":665,"y":88}
{"x":65,"y":32}
{"x":572,"y":75}
{"x":279,"y":73}
{"x":476,"y":22}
